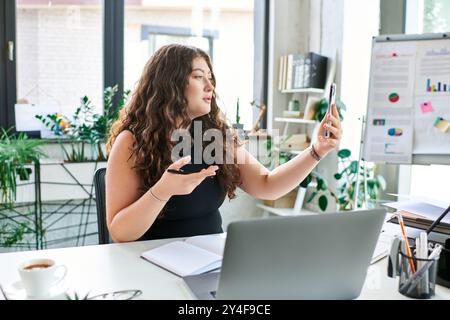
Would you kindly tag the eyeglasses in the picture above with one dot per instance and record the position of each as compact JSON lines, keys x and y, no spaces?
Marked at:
{"x":117,"y":295}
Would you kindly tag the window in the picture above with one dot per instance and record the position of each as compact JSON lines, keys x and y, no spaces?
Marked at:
{"x":66,"y":49}
{"x":428,"y":16}
{"x":59,"y":54}
{"x":436,"y":16}
{"x":160,"y":36}
{"x":223,"y":29}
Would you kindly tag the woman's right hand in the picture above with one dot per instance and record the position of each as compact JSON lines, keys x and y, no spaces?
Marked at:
{"x":171,"y":184}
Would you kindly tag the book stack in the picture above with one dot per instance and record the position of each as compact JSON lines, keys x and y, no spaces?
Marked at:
{"x":302,"y":70}
{"x":420,"y":213}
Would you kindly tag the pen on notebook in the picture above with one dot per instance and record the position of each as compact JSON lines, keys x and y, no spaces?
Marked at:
{"x":408,"y":249}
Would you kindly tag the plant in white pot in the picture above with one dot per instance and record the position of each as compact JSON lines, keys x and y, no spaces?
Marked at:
{"x":85,"y":128}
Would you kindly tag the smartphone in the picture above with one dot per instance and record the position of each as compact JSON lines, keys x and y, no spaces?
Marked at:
{"x":331,"y":101}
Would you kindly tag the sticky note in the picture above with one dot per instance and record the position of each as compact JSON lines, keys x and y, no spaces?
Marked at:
{"x":426,"y":107}
{"x":441,"y":124}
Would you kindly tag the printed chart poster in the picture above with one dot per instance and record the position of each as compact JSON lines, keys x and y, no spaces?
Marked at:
{"x":432,"y":98}
{"x":389,"y":135}
{"x":392,"y":75}
{"x":431,"y":129}
{"x":389,"y":127}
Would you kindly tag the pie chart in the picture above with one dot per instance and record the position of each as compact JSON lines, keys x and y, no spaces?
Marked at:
{"x":395,"y":132}
{"x":394,"y":97}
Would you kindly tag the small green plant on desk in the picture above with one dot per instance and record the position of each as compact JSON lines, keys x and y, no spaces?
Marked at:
{"x":86,"y":127}
{"x":348,"y":177}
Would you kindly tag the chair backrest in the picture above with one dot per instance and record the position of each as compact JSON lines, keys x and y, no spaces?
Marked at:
{"x":99,"y":184}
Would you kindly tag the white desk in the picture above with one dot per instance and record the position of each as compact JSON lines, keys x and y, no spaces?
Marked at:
{"x":105,"y":268}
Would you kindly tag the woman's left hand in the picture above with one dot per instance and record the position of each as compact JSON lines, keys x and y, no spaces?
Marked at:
{"x":331,"y":123}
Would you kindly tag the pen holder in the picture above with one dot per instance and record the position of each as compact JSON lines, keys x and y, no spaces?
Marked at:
{"x":420,"y":284}
{"x":443,"y":272}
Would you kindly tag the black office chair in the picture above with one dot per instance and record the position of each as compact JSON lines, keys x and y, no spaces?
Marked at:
{"x":99,"y":184}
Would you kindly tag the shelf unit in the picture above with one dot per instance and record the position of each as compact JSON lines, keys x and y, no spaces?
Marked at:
{"x":308,"y":97}
{"x":306,"y":120}
{"x":294,"y":120}
{"x":306,"y":123}
{"x":304,"y":90}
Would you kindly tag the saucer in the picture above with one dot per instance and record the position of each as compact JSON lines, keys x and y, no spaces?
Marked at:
{"x":16,"y":291}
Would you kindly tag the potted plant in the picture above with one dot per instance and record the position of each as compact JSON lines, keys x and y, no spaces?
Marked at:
{"x":314,"y":179}
{"x":238,"y":125}
{"x":322,"y":191}
{"x":82,"y":139}
{"x":369,"y":183}
{"x":85,"y":128}
{"x":17,"y":153}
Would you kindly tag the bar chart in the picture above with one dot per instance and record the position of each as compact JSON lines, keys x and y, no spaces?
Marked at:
{"x":437,"y":86}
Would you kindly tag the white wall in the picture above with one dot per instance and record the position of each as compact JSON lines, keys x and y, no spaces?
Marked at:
{"x":361,"y":23}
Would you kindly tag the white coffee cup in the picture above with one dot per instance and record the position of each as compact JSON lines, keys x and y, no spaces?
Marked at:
{"x":40,"y":275}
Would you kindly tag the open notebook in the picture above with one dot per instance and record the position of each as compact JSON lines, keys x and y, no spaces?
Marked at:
{"x":195,"y":255}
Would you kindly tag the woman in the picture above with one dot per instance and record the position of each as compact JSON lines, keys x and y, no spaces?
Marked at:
{"x":146,"y":201}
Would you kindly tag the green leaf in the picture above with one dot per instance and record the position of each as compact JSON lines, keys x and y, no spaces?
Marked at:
{"x":323,"y":202}
{"x":382,"y":182}
{"x":321,"y":109}
{"x":321,"y":184}
{"x":353,"y":166}
{"x":337,"y":176}
{"x":313,"y":195}
{"x":306,"y":181}
{"x":342,"y":199}
{"x":344,"y":153}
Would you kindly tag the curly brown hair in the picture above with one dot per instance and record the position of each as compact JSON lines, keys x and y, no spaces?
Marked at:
{"x":154,"y":112}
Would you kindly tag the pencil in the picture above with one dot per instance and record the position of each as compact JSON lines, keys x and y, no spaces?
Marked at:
{"x":408,"y":249}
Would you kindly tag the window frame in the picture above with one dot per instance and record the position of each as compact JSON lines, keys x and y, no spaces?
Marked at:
{"x":261,"y":15}
{"x":8,"y":94}
{"x":113,"y":54}
{"x":113,"y":46}
{"x":210,"y":35}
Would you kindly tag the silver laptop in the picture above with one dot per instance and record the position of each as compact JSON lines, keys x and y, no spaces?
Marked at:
{"x":322,"y":256}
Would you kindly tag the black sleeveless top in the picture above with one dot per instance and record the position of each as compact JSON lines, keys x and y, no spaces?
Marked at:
{"x":192,"y":214}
